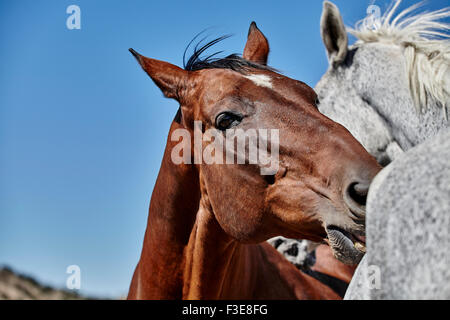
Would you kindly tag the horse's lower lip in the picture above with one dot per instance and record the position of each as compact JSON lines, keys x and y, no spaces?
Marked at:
{"x":354,"y":236}
{"x":346,"y":246}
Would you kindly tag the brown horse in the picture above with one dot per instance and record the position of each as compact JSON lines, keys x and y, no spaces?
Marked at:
{"x":208,"y":223}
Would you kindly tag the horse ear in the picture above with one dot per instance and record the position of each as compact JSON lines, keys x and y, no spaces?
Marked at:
{"x":333,"y":33}
{"x":168,"y":77}
{"x":257,"y":47}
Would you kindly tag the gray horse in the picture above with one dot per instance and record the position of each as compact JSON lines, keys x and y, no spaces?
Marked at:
{"x":391,"y":89}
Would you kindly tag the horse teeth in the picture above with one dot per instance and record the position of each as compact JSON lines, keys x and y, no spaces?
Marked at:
{"x":359,"y":246}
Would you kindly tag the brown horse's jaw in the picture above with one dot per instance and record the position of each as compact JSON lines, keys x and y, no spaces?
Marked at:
{"x":347,"y":247}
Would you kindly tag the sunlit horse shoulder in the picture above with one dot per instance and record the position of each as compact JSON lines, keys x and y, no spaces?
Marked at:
{"x":391,"y":89}
{"x":208,"y":223}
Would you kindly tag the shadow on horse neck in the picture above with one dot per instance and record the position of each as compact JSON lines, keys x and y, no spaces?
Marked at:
{"x":208,"y":221}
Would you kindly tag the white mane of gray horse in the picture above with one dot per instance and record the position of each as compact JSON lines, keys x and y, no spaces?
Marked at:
{"x":391,"y":88}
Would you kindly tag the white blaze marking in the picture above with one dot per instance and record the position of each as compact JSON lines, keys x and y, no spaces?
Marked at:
{"x":260,"y":80}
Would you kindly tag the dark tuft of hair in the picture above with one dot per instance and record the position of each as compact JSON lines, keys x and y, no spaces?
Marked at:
{"x":212,"y":61}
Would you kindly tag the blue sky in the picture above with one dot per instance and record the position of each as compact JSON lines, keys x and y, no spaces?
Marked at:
{"x":83,"y":129}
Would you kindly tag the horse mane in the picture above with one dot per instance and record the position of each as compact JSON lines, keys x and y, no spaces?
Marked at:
{"x":424,"y":38}
{"x":232,"y":61}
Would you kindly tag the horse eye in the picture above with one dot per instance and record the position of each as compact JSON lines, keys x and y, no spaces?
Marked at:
{"x":226,"y":120}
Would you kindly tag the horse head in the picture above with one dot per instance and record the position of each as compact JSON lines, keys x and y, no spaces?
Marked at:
{"x":388,"y":87}
{"x":323,"y":173}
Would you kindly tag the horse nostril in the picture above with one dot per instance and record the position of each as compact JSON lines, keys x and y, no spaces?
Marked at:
{"x":358,"y":193}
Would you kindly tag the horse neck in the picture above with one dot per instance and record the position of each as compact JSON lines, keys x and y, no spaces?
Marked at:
{"x":173,"y":207}
{"x":185,"y":252}
{"x":216,"y":266}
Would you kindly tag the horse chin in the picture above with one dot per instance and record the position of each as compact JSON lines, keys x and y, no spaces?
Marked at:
{"x":346,"y":248}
